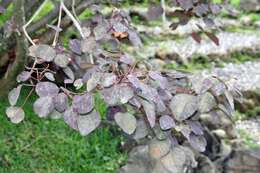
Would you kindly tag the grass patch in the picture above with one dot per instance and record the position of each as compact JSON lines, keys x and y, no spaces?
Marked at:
{"x":50,"y":146}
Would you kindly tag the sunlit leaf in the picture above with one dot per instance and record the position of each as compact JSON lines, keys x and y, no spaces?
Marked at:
{"x":126,"y":121}
{"x":117,"y":94}
{"x":207,"y":102}
{"x":24,"y":76}
{"x":78,"y":84}
{"x":88,"y":123}
{"x":62,"y":60}
{"x":14,"y":95}
{"x":69,"y":73}
{"x":49,"y":76}
{"x":16,"y":114}
{"x":43,"y":51}
{"x":55,"y":115}
{"x":183,"y":106}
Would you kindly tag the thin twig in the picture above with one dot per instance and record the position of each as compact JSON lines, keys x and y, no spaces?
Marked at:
{"x":31,"y":20}
{"x":27,"y":97}
{"x":75,"y":22}
{"x":74,"y":11}
{"x":58,"y":26}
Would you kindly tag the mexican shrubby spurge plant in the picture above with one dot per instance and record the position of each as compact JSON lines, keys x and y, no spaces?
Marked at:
{"x":165,"y":104}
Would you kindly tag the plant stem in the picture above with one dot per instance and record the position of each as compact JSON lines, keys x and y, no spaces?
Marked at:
{"x":31,"y":20}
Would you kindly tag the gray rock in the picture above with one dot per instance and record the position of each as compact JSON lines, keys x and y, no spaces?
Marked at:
{"x":257,"y":24}
{"x":186,"y":49}
{"x":157,"y":157}
{"x":250,"y":5}
{"x":242,"y":161}
{"x":252,"y":127}
{"x":139,"y":161}
{"x":184,"y":30}
{"x":244,"y":76}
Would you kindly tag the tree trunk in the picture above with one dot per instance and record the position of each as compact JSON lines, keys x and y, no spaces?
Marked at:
{"x":9,"y":80}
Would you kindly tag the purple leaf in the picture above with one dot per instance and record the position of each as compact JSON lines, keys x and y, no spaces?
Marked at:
{"x":154,"y":12}
{"x":61,"y":102}
{"x":88,"y":123}
{"x":43,"y":51}
{"x":162,"y":81}
{"x":83,"y":104}
{"x":135,"y":102}
{"x":186,"y":4}
{"x":46,"y":89}
{"x":196,"y":127}
{"x":166,"y":122}
{"x":2,"y":9}
{"x":107,"y":79}
{"x":119,"y":27}
{"x":24,"y":76}
{"x":70,"y":118}
{"x":134,"y":38}
{"x":75,"y":46}
{"x":127,"y":59}
{"x":117,"y":94}
{"x":215,"y":8}
{"x":201,"y":9}
{"x":199,"y":143}
{"x":43,"y":106}
{"x":149,"y":109}
{"x":88,"y":45}
{"x":112,"y":110}
{"x":62,"y":60}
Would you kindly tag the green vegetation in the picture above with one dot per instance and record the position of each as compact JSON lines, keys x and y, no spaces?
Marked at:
{"x":48,"y":7}
{"x":50,"y":146}
{"x":248,"y":114}
{"x":6,"y":15}
{"x":200,"y":62}
{"x":248,"y":141}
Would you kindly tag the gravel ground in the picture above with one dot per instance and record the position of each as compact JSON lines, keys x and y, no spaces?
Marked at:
{"x":245,"y":76}
{"x":187,"y":48}
{"x":252,"y":127}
